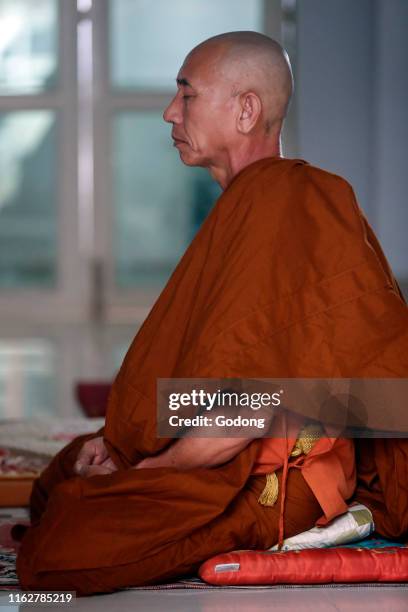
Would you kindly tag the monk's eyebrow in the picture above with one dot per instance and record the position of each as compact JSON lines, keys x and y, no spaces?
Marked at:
{"x":183,"y":82}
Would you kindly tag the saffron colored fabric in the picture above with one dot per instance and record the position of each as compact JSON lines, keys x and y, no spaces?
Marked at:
{"x":329,"y":468}
{"x":284,"y":279}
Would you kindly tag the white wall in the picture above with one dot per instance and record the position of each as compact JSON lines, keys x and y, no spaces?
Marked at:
{"x":352,"y":106}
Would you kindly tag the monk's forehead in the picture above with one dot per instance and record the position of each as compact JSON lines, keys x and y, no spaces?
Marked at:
{"x":198,"y":67}
{"x":201,"y":64}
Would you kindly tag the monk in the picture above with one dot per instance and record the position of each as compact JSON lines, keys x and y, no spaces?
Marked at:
{"x":284,"y":279}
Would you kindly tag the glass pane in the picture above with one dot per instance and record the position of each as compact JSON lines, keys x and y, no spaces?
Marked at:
{"x":27,"y":378}
{"x":158,"y":35}
{"x":28,"y":162}
{"x":28,"y":46}
{"x":159,"y":202}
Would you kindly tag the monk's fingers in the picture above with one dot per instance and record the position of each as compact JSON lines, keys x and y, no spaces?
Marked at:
{"x":108,"y":463}
{"x":81,"y":469}
{"x":101,"y":452}
{"x":92,"y":452}
{"x":87,"y":453}
{"x":94,"y":470}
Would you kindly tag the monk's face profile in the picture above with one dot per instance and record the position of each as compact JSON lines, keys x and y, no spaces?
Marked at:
{"x":202,"y":110}
{"x":233,"y":91}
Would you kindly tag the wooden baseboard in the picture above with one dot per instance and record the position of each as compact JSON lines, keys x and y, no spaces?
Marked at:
{"x":15,"y":491}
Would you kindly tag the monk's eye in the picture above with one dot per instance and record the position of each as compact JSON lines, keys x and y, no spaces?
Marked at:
{"x":187,"y":97}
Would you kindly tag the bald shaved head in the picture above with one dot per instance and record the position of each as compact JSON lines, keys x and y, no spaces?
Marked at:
{"x":233,"y":94}
{"x":253,"y":61}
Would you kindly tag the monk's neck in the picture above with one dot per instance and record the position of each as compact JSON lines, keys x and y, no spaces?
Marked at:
{"x":240,"y":159}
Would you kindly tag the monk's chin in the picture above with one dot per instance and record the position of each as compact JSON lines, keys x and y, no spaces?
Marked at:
{"x":190,"y":159}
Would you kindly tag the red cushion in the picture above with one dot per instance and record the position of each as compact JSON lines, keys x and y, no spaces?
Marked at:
{"x":313,"y":566}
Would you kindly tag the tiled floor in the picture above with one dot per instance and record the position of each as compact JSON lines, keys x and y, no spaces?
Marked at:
{"x":350,"y":599}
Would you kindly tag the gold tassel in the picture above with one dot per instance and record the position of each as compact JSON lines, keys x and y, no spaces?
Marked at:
{"x":307,"y":438}
{"x":269,"y":494}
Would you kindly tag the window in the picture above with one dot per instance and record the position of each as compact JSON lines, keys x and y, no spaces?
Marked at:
{"x":95,"y":206}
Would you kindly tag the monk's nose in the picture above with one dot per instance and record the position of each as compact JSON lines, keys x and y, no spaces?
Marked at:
{"x":171,"y":113}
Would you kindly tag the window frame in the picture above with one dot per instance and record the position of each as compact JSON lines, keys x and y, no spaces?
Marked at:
{"x":68,"y":299}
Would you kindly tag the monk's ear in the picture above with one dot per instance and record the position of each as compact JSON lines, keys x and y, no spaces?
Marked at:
{"x":250,"y":111}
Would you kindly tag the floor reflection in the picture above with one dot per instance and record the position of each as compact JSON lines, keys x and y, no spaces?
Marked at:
{"x":320,"y":598}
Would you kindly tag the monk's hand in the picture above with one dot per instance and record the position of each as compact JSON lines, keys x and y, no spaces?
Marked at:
{"x":93,"y":459}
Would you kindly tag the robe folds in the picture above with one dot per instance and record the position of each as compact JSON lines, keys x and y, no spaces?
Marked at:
{"x":285,"y":279}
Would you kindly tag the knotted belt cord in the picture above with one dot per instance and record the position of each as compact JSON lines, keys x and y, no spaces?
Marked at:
{"x":307,"y":437}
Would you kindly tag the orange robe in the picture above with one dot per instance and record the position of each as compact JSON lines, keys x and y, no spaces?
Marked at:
{"x":329,"y":468}
{"x":284,"y":279}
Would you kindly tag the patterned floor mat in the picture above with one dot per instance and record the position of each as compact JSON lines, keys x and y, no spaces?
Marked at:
{"x":8,"y":547}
